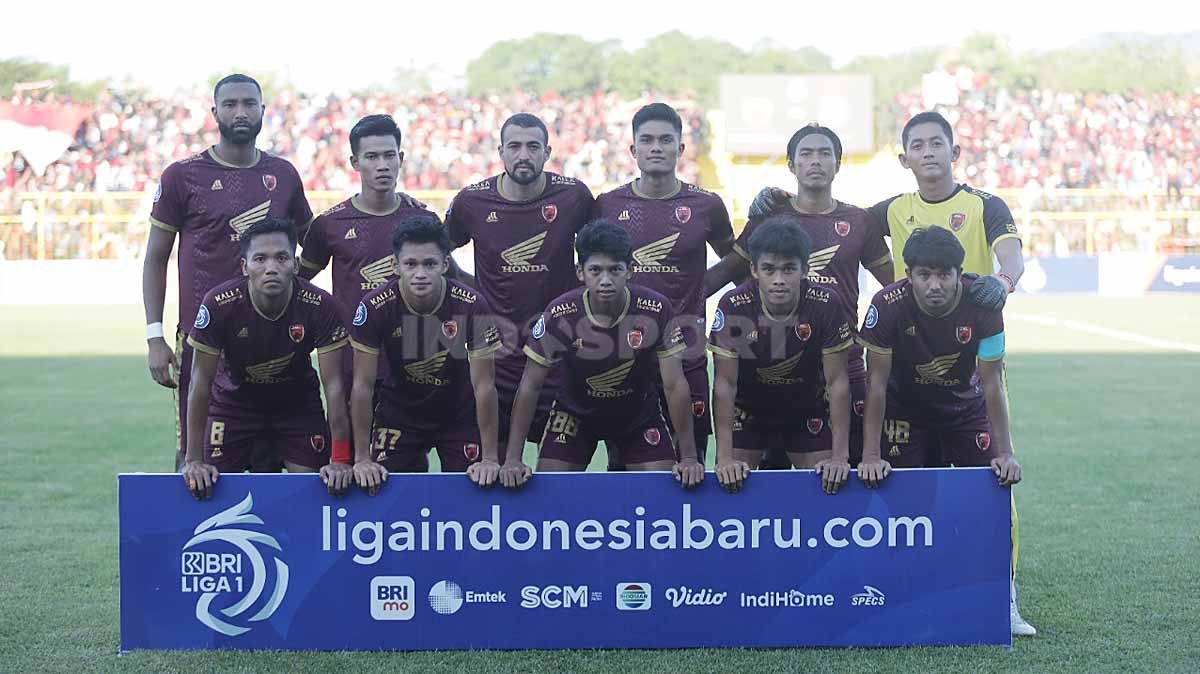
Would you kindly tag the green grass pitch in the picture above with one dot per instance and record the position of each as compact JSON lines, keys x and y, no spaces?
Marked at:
{"x":1105,"y":427}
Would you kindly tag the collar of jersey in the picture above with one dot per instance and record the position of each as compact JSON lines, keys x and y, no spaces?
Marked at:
{"x":212,"y":152}
{"x":958,"y":187}
{"x":355,"y":203}
{"x":445,"y":291}
{"x":633,"y":187}
{"x":587,"y":309}
{"x":281,"y":311}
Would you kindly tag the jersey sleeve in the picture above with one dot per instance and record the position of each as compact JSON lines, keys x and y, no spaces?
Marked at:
{"x":298,"y":209}
{"x":457,"y":227}
{"x":878,"y":332}
{"x":169,"y":201}
{"x":836,"y":334}
{"x":875,"y":250}
{"x":207,"y":334}
{"x":366,"y":329}
{"x":670,"y":334}
{"x":545,"y":345}
{"x":721,"y":341}
{"x":742,"y":245}
{"x":998,"y":221}
{"x":719,"y":226}
{"x":483,"y":336}
{"x":587,"y":206}
{"x":880,"y":212}
{"x":331,"y":334}
{"x":315,"y":253}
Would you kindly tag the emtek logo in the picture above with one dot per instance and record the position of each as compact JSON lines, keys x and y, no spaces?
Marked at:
{"x":633,"y":596}
{"x":870,"y":596}
{"x":392,"y":598}
{"x":554,"y":596}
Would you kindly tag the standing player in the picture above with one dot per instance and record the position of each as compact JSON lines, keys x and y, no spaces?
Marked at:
{"x":439,"y":338}
{"x":843,"y":236}
{"x":357,"y":233}
{"x":523,"y":223}
{"x":936,"y":392}
{"x":252,"y":378}
{"x":613,"y":339}
{"x":209,"y":200}
{"x":779,"y":344}
{"x":670,"y":222}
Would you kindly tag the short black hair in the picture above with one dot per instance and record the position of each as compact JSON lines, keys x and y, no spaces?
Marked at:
{"x":525,"y":121}
{"x":933,"y":247}
{"x":658,"y":112}
{"x":782,"y":235}
{"x":268,"y":226}
{"x":808,"y":131}
{"x":604,"y":238}
{"x":373,"y":125}
{"x":925,"y":118}
{"x":420,"y":229}
{"x":236,"y":78}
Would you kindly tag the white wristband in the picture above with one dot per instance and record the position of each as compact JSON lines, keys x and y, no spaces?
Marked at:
{"x":154,"y":330}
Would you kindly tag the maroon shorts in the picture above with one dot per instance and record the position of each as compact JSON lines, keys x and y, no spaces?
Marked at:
{"x":571,"y":439}
{"x":697,"y":380}
{"x":906,"y":443}
{"x":507,"y":397}
{"x":403,"y":448}
{"x":806,"y":435}
{"x":236,"y":445}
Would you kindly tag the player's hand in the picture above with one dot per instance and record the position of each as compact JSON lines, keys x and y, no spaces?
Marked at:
{"x":767,"y":201}
{"x":370,"y":476}
{"x":873,"y":472}
{"x":163,"y":365}
{"x":688,"y":472}
{"x":513,"y":474}
{"x":732,"y":475}
{"x":987,"y":292}
{"x":337,"y":477}
{"x":833,"y":474}
{"x":199,"y":478}
{"x":484,"y":473}
{"x":1007,"y":469}
{"x":409,"y":201}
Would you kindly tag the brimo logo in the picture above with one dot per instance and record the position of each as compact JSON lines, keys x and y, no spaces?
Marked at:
{"x":217,"y":573}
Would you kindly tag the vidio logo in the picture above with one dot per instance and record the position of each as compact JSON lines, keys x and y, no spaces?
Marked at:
{"x":213,"y":574}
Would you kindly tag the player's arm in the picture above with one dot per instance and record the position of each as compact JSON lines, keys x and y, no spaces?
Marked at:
{"x":200,"y":477}
{"x":458,"y":274}
{"x":314,"y":253}
{"x":483,"y":381}
{"x":459,"y":232}
{"x":730,"y":269}
{"x":992,"y":291}
{"x":1012,"y":262}
{"x":731,"y":473}
{"x":991,"y":375}
{"x":688,"y":471}
{"x":720,"y":238}
{"x":368,"y":474}
{"x":873,"y":468}
{"x":154,"y":295}
{"x":836,"y":470}
{"x":338,"y":475}
{"x":515,"y":473}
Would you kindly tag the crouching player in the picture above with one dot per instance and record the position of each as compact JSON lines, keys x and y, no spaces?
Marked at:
{"x":439,"y":338}
{"x":780,"y":345}
{"x":612,"y":338}
{"x":252,"y":378}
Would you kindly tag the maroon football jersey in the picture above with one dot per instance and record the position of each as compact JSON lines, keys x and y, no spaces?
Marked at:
{"x":209,"y":203}
{"x":780,"y":373}
{"x":933,"y":375}
{"x":669,"y":255}
{"x":610,"y":372}
{"x":430,"y":380}
{"x":524,"y":252}
{"x":266,"y":367}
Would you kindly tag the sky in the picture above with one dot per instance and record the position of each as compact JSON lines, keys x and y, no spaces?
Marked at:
{"x":166,"y":44}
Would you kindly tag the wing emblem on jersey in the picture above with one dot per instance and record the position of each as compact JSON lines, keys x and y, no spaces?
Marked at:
{"x":777,"y":374}
{"x":939,"y":367}
{"x":652,"y":254}
{"x":268,"y":372}
{"x":423,"y":369}
{"x":522,"y":252}
{"x":606,"y":382}
{"x":240,"y":223}
{"x":378,"y":271}
{"x":820,"y":259}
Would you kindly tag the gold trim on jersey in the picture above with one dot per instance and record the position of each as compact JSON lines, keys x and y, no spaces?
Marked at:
{"x":268,"y":372}
{"x":321,"y":350}
{"x":309,"y":265}
{"x":441,"y":300}
{"x":519,"y":255}
{"x":881,"y":261}
{"x":162,"y":225}
{"x":820,"y":259}
{"x":203,"y":348}
{"x":607,"y":381}
{"x":881,"y":350}
{"x":359,"y":346}
{"x":633,"y":187}
{"x":376,"y":273}
{"x":537,"y":357}
{"x":1002,"y":237}
{"x":428,"y":366}
{"x":678,"y":347}
{"x":282,"y":311}
{"x":587,"y":309}
{"x":939,"y":366}
{"x":356,"y":201}
{"x":724,"y":353}
{"x":212,"y":152}
{"x":837,"y":347}
{"x":484,"y":351}
{"x":737,"y":248}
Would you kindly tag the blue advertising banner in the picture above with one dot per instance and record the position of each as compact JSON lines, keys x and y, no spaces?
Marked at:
{"x":590,"y":560}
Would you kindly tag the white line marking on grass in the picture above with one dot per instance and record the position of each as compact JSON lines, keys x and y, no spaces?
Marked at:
{"x":1090,"y":328}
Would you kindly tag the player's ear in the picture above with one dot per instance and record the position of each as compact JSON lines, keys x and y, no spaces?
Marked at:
{"x":547,"y":152}
{"x":400,"y":158}
{"x":904,"y":161}
{"x":354,"y":161}
{"x":579,"y":272}
{"x":955,"y":151}
{"x":754,"y":270}
{"x":632,"y":150}
{"x":682,"y":147}
{"x":244,"y":271}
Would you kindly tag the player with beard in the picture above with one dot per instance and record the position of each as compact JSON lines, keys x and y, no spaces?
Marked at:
{"x":523,"y":225}
{"x":209,"y":200}
{"x":671,"y":223}
{"x":843,"y":238}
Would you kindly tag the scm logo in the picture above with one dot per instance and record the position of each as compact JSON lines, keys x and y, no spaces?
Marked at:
{"x":554,"y":596}
{"x":392,"y":598}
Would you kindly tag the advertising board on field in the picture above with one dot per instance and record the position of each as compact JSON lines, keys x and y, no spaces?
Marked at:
{"x":570,"y":561}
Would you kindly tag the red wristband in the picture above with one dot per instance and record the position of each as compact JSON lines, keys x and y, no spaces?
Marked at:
{"x":341,"y":452}
{"x":1008,"y":280}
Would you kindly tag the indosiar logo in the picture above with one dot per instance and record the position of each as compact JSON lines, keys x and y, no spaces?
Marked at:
{"x":223,"y":561}
{"x":634,"y":596}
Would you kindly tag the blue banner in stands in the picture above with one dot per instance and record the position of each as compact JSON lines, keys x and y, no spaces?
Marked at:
{"x":621,"y":560}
